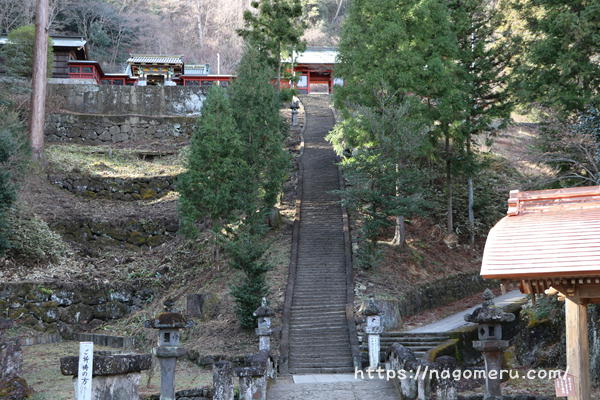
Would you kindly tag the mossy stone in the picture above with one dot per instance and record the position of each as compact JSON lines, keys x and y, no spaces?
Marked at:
{"x":156,"y":240}
{"x":16,"y":313}
{"x":210,"y":308}
{"x":137,"y":238}
{"x":147,"y":193}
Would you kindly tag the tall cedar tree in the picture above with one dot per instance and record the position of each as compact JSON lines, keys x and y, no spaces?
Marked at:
{"x":17,"y":54}
{"x":275,"y":28}
{"x":256,"y":113}
{"x":255,"y":105}
{"x":411,"y":48}
{"x":13,"y":153}
{"x":561,"y":69}
{"x":486,"y":56}
{"x":386,"y":176}
{"x":246,"y":254}
{"x":214,"y":188}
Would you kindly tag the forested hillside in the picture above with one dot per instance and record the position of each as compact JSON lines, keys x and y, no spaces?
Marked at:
{"x":197,"y":29}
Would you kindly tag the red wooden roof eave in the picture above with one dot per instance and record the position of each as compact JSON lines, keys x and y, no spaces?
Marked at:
{"x":551,"y":234}
{"x":542,"y":275}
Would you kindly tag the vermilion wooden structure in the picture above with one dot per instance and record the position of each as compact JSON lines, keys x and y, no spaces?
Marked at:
{"x":88,"y":69}
{"x":314,"y":66}
{"x":549,"y":243}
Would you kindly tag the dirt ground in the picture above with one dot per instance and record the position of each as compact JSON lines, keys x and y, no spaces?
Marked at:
{"x":41,"y":369}
{"x":174,"y":269}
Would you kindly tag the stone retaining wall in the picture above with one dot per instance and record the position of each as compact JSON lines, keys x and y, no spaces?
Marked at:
{"x":92,"y":129}
{"x":443,"y":291}
{"x":429,"y":295}
{"x":203,"y":393}
{"x":125,"y":100}
{"x":129,"y":232}
{"x":51,"y":306}
{"x":115,"y":188}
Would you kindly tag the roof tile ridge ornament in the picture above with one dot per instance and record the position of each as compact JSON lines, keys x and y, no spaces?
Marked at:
{"x":514,"y":204}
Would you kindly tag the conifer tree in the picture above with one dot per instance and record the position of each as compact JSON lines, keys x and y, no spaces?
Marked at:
{"x":275,"y":28}
{"x":256,"y":113}
{"x":13,"y":155}
{"x":561,"y":68}
{"x":486,"y":55}
{"x":385,"y":172}
{"x":17,"y":54}
{"x":214,"y":188}
{"x":410,"y":48}
{"x":246,"y":253}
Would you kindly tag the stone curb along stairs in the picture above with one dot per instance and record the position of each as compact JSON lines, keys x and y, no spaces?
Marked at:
{"x":319,"y":331}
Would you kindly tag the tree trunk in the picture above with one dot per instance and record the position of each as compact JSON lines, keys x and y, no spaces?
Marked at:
{"x":449,"y":185}
{"x":279,"y":68}
{"x":39,"y":80}
{"x":471,"y":199}
{"x":399,"y":233}
{"x":339,"y":8}
{"x":470,"y":211}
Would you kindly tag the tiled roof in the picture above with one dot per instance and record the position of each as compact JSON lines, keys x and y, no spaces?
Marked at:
{"x":58,"y":41}
{"x":317,"y":55}
{"x":197,"y":69}
{"x":154,"y":59}
{"x":547,"y":233}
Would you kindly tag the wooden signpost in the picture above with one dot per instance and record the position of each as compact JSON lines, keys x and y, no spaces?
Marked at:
{"x":86,"y":367}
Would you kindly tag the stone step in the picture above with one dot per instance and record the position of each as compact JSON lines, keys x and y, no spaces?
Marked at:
{"x":324,"y":313}
{"x":322,"y":348}
{"x":340,"y":319}
{"x":319,"y":321}
{"x":319,"y":329}
{"x":413,"y":348}
{"x":317,"y":306}
{"x":415,"y":335}
{"x":431,"y":339}
{"x":319,"y":337}
{"x":322,"y":370}
{"x":321,"y":351}
{"x":307,"y":291}
{"x":306,"y":299}
{"x":300,"y":361}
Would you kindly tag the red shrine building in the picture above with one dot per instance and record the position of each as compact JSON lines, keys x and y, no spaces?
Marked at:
{"x":313,"y":69}
{"x":144,"y":70}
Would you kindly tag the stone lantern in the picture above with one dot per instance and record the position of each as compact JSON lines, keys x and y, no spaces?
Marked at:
{"x":490,"y":319}
{"x":168,"y":323}
{"x":264,"y":331}
{"x":373,"y":329}
{"x":295,"y":106}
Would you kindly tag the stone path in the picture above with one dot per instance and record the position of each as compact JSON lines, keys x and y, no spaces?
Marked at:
{"x":338,"y":387}
{"x":319,"y":338}
{"x":457,"y":320}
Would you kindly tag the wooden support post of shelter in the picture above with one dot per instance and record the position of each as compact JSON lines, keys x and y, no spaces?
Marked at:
{"x":550,"y":243}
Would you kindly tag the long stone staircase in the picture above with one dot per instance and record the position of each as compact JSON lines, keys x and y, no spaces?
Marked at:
{"x":319,"y":338}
